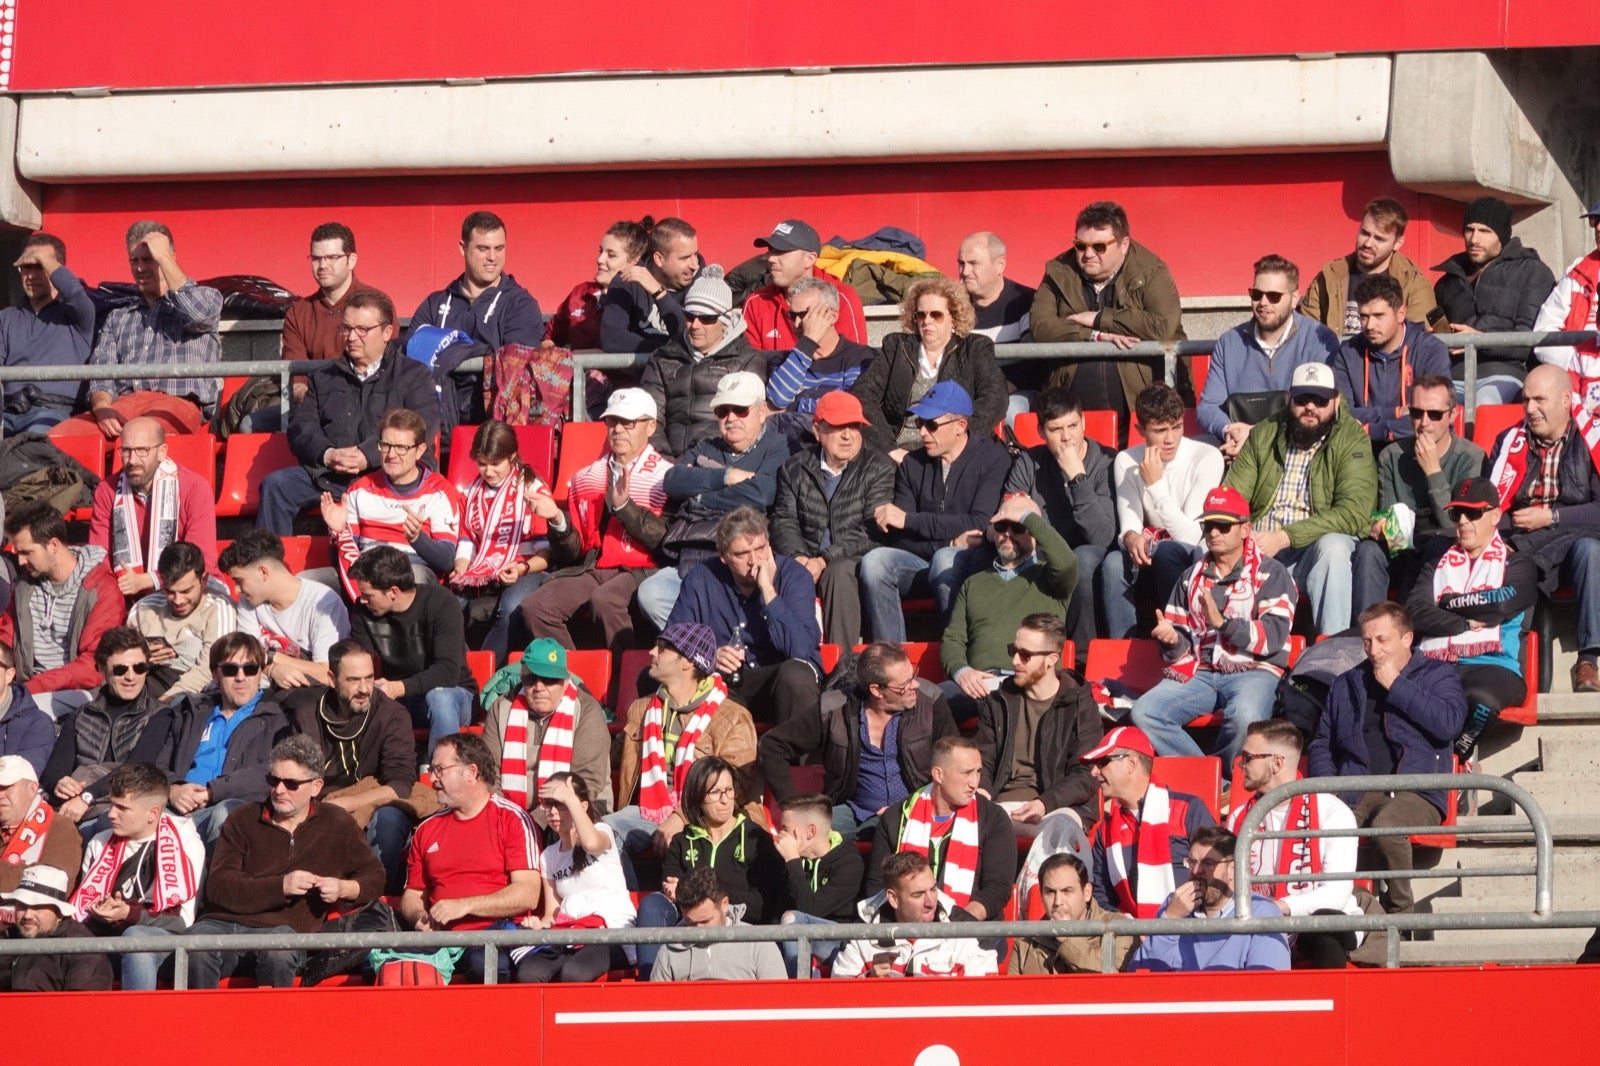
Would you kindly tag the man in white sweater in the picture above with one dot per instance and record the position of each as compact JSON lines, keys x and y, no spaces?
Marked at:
{"x":1161,"y":486}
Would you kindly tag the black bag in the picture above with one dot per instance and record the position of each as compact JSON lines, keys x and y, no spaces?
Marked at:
{"x":375,"y":917}
{"x":1254,"y":408}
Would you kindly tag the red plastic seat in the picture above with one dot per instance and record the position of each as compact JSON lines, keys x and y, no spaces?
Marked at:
{"x":1138,"y":665}
{"x":1491,"y":420}
{"x":635,"y":662}
{"x":88,"y":450}
{"x":196,"y":452}
{"x":581,"y":444}
{"x":247,"y":458}
{"x":1527,"y":712}
{"x":481,"y":663}
{"x":1097,"y":425}
{"x":535,"y":444}
{"x":924,"y":657}
{"x":1198,"y":775}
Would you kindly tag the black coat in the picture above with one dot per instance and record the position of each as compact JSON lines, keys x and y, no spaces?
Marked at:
{"x":682,"y":387}
{"x":802,"y":511}
{"x":884,"y":388}
{"x":1070,"y":727}
{"x":1506,"y":299}
{"x":997,"y":856}
{"x":940,"y":508}
{"x":341,"y":410}
{"x":173,"y":736}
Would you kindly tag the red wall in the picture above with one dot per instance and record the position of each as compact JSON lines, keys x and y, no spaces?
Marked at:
{"x":132,"y":45}
{"x":1209,"y":217}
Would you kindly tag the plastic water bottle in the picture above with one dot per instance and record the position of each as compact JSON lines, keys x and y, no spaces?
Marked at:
{"x":737,"y":644}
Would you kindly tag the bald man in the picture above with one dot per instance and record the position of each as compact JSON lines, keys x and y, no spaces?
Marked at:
{"x":1549,"y":485}
{"x":150,"y":503}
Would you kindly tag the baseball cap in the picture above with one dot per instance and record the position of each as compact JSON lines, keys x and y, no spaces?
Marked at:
{"x":42,"y":886}
{"x":1593,"y":212}
{"x":945,"y":398}
{"x":545,"y":658}
{"x":1127,"y":737}
{"x":1475,"y":494}
{"x":791,"y":234}
{"x":14,"y":768}
{"x":1315,"y":378}
{"x":739,"y":389}
{"x":630,"y":404}
{"x":840,"y":408}
{"x":1225,"y":504}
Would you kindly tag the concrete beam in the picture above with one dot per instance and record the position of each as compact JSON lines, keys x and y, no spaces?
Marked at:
{"x":19,"y":198}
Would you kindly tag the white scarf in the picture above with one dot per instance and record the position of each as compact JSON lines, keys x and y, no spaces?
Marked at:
{"x":127,"y":551}
{"x":1457,"y":574}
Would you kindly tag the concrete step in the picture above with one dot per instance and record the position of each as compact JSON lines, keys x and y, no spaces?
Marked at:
{"x":1564,"y":707}
{"x":1576,"y":828}
{"x":1534,"y":948}
{"x":1511,"y":904}
{"x":1570,"y":749}
{"x":1563,"y":793}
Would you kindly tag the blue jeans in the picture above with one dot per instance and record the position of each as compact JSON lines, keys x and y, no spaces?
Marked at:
{"x":887,"y":576}
{"x":1081,"y":623}
{"x":1242,"y":698}
{"x":633,"y":830}
{"x":847,"y":825}
{"x":508,"y":613}
{"x":1121,"y":583}
{"x":389,"y":832}
{"x":274,"y":969}
{"x":658,"y":593}
{"x":1581,"y":570}
{"x":443,"y":710}
{"x":1496,"y":388}
{"x":208,"y":820}
{"x":656,"y":911}
{"x":1325,"y":571}
{"x":140,"y":972}
{"x":284,"y":494}
{"x":821,"y":950}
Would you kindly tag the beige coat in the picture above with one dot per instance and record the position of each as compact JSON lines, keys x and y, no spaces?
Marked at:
{"x":731,"y":735}
{"x":1325,"y":296}
{"x":1074,"y":954}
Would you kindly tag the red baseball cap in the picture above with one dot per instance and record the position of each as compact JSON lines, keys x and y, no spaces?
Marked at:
{"x":1127,"y":737}
{"x":1225,"y":504}
{"x":840,"y":408}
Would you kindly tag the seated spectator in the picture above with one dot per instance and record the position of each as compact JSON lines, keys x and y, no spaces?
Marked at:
{"x":791,"y":252}
{"x":1141,"y":846}
{"x":824,"y":872}
{"x":1209,"y":894}
{"x":762,"y":609}
{"x":1375,"y":368}
{"x":1399,"y":712}
{"x":1000,"y":304}
{"x":688,"y":717}
{"x":584,"y":887}
{"x":25,"y":730}
{"x":182,"y":621}
{"x":1224,"y":637}
{"x":53,"y":326}
{"x":820,"y":362}
{"x":684,"y":374}
{"x":642,"y":308}
{"x":702,"y":903}
{"x":968,"y":840}
{"x":1415,"y":476}
{"x":333,"y":432}
{"x":371,"y":769}
{"x":875,"y":752}
{"x":1548,"y":479}
{"x":1033,"y":730}
{"x":29,"y":835}
{"x":1571,"y":306}
{"x":1470,"y":606}
{"x":141,"y":877}
{"x":911,"y":893}
{"x":282,"y":866}
{"x":1330,"y":299}
{"x":43,"y":912}
{"x":736,"y":469}
{"x":541,"y":722}
{"x":65,"y":601}
{"x":406,"y":506}
{"x":214,"y":746}
{"x":1032,"y":572}
{"x":1067,"y":892}
{"x":1311,"y":484}
{"x":826,"y":497}
{"x":605,"y":545}
{"x":1248,"y":377}
{"x":935,"y":346}
{"x":944,"y":494}
{"x":576,"y":323}
{"x":419,"y":637}
{"x":175,"y":325}
{"x":1161,"y":487}
{"x":1108,"y":287}
{"x":1494,"y":285}
{"x":498,"y":554}
{"x":474,"y":865}
{"x":1271,"y":757}
{"x":311,"y":324}
{"x":101,"y":735}
{"x":297,"y":621}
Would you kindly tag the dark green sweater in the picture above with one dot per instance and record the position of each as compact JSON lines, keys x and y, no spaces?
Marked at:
{"x":988,"y":609}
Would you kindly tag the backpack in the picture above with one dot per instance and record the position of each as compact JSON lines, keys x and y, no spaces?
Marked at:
{"x":527,"y":386}
{"x":32,"y":468}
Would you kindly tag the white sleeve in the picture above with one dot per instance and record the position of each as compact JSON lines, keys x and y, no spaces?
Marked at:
{"x":1129,"y":490}
{"x":330,"y":624}
{"x":851,"y":960}
{"x":1181,"y":518}
{"x":1552,"y":318}
{"x":1338,"y":856}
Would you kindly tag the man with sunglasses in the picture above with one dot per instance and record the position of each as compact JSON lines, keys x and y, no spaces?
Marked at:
{"x":1251,"y":364}
{"x":791,"y":254}
{"x":683,"y":374}
{"x":821,"y":361}
{"x":1415,"y":477}
{"x":214,"y":746}
{"x":1375,"y":368}
{"x":282,"y":865}
{"x":1308,"y":476}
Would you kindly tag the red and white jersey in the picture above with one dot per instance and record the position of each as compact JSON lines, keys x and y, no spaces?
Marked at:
{"x":378,"y":513}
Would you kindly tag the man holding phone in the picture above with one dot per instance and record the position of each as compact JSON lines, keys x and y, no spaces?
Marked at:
{"x":182,"y":621}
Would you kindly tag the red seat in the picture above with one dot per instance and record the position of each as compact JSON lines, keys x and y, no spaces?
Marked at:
{"x":535,"y":444}
{"x":196,"y":452}
{"x":481,"y":663}
{"x":88,"y":450}
{"x":581,"y":444}
{"x":830,"y":657}
{"x":230,"y":386}
{"x":1199,"y":367}
{"x":1451,"y":802}
{"x":1198,"y":775}
{"x":1097,"y":425}
{"x":592,"y":667}
{"x":247,"y":458}
{"x":1138,"y":665}
{"x":1527,"y":712}
{"x":1491,"y":420}
{"x":924,"y":657}
{"x":635,"y":662}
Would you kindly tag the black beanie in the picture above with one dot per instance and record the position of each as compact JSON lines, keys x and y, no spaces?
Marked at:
{"x":1493,"y":212}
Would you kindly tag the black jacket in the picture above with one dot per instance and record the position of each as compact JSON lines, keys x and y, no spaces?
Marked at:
{"x":997,"y":856}
{"x":1070,"y":727}
{"x":746,"y":862}
{"x":939,"y":509}
{"x":92,"y":743}
{"x":341,"y":410}
{"x":1506,"y":299}
{"x":827,"y":887}
{"x":884,"y":387}
{"x":173,"y":736}
{"x":383,"y":749}
{"x":682,"y":387}
{"x":55,"y":973}
{"x":802,"y":511}
{"x":1577,"y":505}
{"x":834,"y":740}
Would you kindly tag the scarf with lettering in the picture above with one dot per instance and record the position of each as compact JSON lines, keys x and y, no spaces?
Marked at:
{"x":1456,"y":574}
{"x":658,"y":796}
{"x":960,"y":870}
{"x":127,"y":550}
{"x":176,"y":878}
{"x":1205,"y":644}
{"x":1296,"y":855}
{"x":498,"y":521}
{"x":27,"y":841}
{"x":1150,"y":837}
{"x":1585,"y":277}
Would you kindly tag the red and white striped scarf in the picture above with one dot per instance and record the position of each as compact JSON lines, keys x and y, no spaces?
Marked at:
{"x":1151,"y":838}
{"x":1205,"y":644}
{"x":26,"y":845}
{"x":498,"y":521}
{"x":555,"y":751}
{"x":127,"y":550}
{"x":1296,"y":855}
{"x":1510,"y":466}
{"x":587,"y":504}
{"x":658,"y":796}
{"x":1458,"y":573}
{"x":960,"y":870}
{"x":176,"y":878}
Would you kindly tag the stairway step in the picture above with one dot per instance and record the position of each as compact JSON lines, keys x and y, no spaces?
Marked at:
{"x":1453,"y":952}
{"x":1569,"y":707}
{"x":1562,"y":793}
{"x":1570,"y":749}
{"x":1564,"y":827}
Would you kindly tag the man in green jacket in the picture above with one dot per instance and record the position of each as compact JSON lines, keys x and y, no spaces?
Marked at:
{"x":1311,"y":482}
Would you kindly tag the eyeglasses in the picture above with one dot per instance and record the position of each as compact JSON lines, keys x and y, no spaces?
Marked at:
{"x":1419,"y":413}
{"x":929,"y":316}
{"x":903,"y":687}
{"x":1310,"y":399}
{"x":934,"y":425}
{"x":546,"y":682}
{"x":345,"y":329}
{"x":318,"y":260}
{"x":1257,"y":295}
{"x":720,"y":793}
{"x":1210,"y":862}
{"x":1109,"y":759}
{"x":1008,"y":528}
{"x":235,"y":669}
{"x":613,"y":422}
{"x":1456,"y":514}
{"x":705,"y":320}
{"x":293,"y":784}
{"x":393,"y":448}
{"x":138,"y":453}
{"x":736,"y":410}
{"x":1215,"y":526}
{"x":1098,"y":247}
{"x":439,"y":771}
{"x":1248,"y":757}
{"x":124,"y":669}
{"x":1027,"y":655}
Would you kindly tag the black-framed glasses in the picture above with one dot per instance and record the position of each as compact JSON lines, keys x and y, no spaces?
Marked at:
{"x":235,"y":669}
{"x":1008,"y":528}
{"x":345,"y":329}
{"x":137,"y":452}
{"x":705,"y":320}
{"x":1273,"y":298}
{"x":395,"y":449}
{"x":1027,"y":655}
{"x":293,"y":784}
{"x":124,"y":669}
{"x":318,"y":260}
{"x":1471,"y":514}
{"x":735,"y":409}
{"x":903,"y":687}
{"x":934,"y":425}
{"x":1214,"y":525}
{"x":1210,"y":862}
{"x":1310,"y":399}
{"x":1098,"y":247}
{"x":720,"y":793}
{"x":1419,"y":413}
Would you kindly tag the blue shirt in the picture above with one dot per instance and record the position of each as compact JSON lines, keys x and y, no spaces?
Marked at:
{"x":878,"y":781}
{"x":213,"y":750}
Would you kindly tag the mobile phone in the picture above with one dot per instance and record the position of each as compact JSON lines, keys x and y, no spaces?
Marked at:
{"x":1437,"y":321}
{"x":158,"y":642}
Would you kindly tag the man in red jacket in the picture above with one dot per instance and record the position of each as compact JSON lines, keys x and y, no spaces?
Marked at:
{"x":792,"y":250}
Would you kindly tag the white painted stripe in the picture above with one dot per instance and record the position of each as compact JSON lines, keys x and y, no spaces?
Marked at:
{"x":975,"y":1010}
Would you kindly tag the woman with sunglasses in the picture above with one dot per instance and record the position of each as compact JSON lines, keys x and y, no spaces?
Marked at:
{"x":584,"y":888}
{"x":936,"y":344}
{"x":101,"y":735}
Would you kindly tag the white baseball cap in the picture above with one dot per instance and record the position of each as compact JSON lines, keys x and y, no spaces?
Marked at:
{"x":14,"y":768}
{"x":630,"y":404}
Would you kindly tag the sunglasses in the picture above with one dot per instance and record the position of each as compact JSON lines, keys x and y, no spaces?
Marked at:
{"x":731,"y":409}
{"x":124,"y":669}
{"x":235,"y":669}
{"x":933,"y":425}
{"x":1419,"y":413}
{"x":929,"y":316}
{"x":1098,"y":247}
{"x":1215,"y":526}
{"x":1008,"y":528}
{"x":1471,"y":514}
{"x":1306,"y":399}
{"x":1257,"y":295}
{"x":1027,"y":655}
{"x":290,"y":783}
{"x":705,"y":320}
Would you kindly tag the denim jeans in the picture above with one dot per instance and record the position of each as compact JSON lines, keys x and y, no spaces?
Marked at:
{"x":274,"y":969}
{"x":507,"y":615}
{"x":443,"y":710}
{"x":656,"y":911}
{"x":208,"y":820}
{"x":658,"y":593}
{"x":1122,"y":583}
{"x":821,"y":950}
{"x":1581,"y":570}
{"x":1496,"y":388}
{"x":284,"y":494}
{"x":389,"y":832}
{"x":140,"y":972}
{"x":1241,"y":698}
{"x":888,"y":575}
{"x":1324,"y":572}
{"x":633,"y":830}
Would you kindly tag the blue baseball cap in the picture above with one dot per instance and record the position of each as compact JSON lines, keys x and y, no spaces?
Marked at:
{"x":1593,"y":212}
{"x":945,"y":398}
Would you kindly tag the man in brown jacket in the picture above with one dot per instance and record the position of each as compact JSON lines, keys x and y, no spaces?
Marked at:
{"x":1067,"y":896}
{"x":1108,"y":287}
{"x":684,"y":663}
{"x":1378,"y":243}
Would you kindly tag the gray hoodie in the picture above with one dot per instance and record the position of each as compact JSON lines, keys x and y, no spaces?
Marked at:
{"x":749,"y":961}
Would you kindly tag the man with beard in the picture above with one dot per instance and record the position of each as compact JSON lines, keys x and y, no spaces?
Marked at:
{"x":911,"y":893}
{"x":1209,"y":894}
{"x":791,"y":253}
{"x":1309,"y":478}
{"x":1067,"y":894}
{"x":642,"y":308}
{"x":1376,"y":368}
{"x":182,"y":621}
{"x":371,"y":768}
{"x":43,"y":912}
{"x":1378,"y":242}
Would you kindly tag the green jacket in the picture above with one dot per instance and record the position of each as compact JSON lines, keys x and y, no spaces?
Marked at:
{"x":988,"y":610}
{"x":1343,"y":482}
